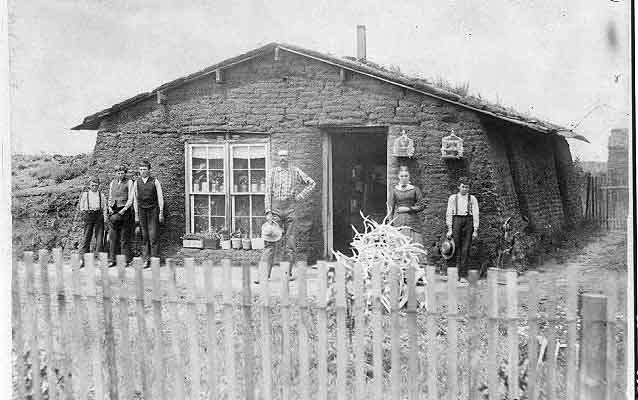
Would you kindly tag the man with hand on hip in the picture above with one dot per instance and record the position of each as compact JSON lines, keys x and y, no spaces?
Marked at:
{"x":148,"y":201}
{"x":120,"y":208}
{"x":462,"y":220}
{"x":280,"y":202}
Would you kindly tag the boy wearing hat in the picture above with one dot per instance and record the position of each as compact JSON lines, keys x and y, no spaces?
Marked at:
{"x":148,"y":202}
{"x":280,"y":201}
{"x":462,"y":220}
{"x":120,"y":208}
{"x":93,"y":207}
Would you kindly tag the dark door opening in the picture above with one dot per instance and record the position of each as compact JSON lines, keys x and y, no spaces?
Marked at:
{"x":359,"y":175}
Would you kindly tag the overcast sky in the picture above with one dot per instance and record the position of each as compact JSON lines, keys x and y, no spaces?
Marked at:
{"x":558,"y":60}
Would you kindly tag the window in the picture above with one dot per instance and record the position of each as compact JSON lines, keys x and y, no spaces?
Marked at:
{"x":227,"y":186}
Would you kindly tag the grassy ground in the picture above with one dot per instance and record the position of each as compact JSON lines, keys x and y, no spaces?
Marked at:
{"x":598,"y":257}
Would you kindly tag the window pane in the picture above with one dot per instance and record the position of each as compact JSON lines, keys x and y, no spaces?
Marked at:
{"x":242,"y":206}
{"x":200,"y":205}
{"x":240,"y":181}
{"x":258,"y":178}
{"x":258,"y":205}
{"x":216,"y":158}
{"x":240,"y":157}
{"x":257,"y":223}
{"x":201,"y":224}
{"x":218,"y":205}
{"x":258,"y":157}
{"x":216,"y":181}
{"x":243,"y":224}
{"x":218,"y":223}
{"x":200,"y":183}
{"x":199,"y":157}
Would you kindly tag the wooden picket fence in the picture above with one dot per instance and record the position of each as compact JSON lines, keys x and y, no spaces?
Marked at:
{"x":167,"y":340}
{"x":606,"y":203}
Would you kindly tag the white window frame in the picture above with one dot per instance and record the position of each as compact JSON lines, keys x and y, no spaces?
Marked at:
{"x":228,"y":192}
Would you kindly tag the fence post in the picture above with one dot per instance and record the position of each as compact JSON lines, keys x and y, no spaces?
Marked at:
{"x":593,"y":350}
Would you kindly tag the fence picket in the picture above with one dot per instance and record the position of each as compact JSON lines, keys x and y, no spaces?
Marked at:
{"x":550,"y":387}
{"x":64,"y":360}
{"x":512,"y":333}
{"x":266,"y":328}
{"x":572,"y":354}
{"x":322,"y":331}
{"x":303,"y":324}
{"x":532,"y":318}
{"x":192,"y":326}
{"x":431,"y":327}
{"x":342,"y":353}
{"x":377,"y":332}
{"x":611,"y":290}
{"x":249,"y":337}
{"x":474,"y":335}
{"x":123,"y":311}
{"x":492,"y":334}
{"x":395,"y":335}
{"x":359,"y":334}
{"x":47,"y":331}
{"x":142,"y":347}
{"x":173,"y":310}
{"x":34,"y":345}
{"x":286,"y":367}
{"x":95,"y":337}
{"x":211,"y":344}
{"x":413,"y":362}
{"x":80,"y":370}
{"x":111,"y":382}
{"x":229,"y":342}
{"x":452,"y":372}
{"x":18,"y":333}
{"x":159,"y":369}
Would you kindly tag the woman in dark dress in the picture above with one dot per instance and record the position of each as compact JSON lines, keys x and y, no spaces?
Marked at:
{"x":404,"y":205}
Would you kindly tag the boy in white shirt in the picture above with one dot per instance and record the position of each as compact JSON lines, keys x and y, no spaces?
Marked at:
{"x":462,"y":220}
{"x":93,"y":206}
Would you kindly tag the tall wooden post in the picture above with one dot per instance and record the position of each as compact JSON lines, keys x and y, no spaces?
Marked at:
{"x":593,"y":349}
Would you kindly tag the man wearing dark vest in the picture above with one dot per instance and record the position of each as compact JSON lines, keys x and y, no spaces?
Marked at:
{"x":148,"y":202}
{"x":93,"y":207}
{"x":462,"y":220}
{"x":120,"y":208}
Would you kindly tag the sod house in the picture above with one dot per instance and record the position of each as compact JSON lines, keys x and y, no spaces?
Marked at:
{"x":212,"y":137}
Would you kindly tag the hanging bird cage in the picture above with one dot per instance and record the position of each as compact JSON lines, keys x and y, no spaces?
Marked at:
{"x":451,"y":147}
{"x":403,"y":146}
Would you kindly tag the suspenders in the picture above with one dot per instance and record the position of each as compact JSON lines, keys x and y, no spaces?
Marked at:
{"x":469,"y":204}
{"x":88,"y":201}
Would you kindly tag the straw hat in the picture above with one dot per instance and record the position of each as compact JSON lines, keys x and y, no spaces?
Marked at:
{"x":271,"y":231}
{"x":447,"y":248}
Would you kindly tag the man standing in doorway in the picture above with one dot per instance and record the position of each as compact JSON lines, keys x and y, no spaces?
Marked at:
{"x":93,"y":207}
{"x":148,"y":202}
{"x":121,"y":210}
{"x":281,"y":198}
{"x":462,"y":219}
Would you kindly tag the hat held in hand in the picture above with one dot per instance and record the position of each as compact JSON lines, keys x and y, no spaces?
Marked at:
{"x":447,"y":248}
{"x":271,"y":231}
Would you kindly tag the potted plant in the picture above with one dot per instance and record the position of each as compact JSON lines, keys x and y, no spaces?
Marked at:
{"x":243,"y":183}
{"x":254,"y":185}
{"x":235,"y":240}
{"x":224,"y":239}
{"x":257,"y":242}
{"x":211,"y":239}
{"x":192,"y":241}
{"x":262,"y":185}
{"x":218,"y":182}
{"x":245,"y":242}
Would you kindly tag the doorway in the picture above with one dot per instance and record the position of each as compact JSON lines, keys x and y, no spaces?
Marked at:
{"x":359,"y":181}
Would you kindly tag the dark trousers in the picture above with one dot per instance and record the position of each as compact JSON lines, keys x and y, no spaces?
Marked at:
{"x":120,"y":236}
{"x":462,"y":229}
{"x":149,"y":224}
{"x":93,"y":227}
{"x":284,"y":215}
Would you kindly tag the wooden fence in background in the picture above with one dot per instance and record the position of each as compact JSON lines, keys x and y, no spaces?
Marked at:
{"x":606,"y":204}
{"x":123,"y":333}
